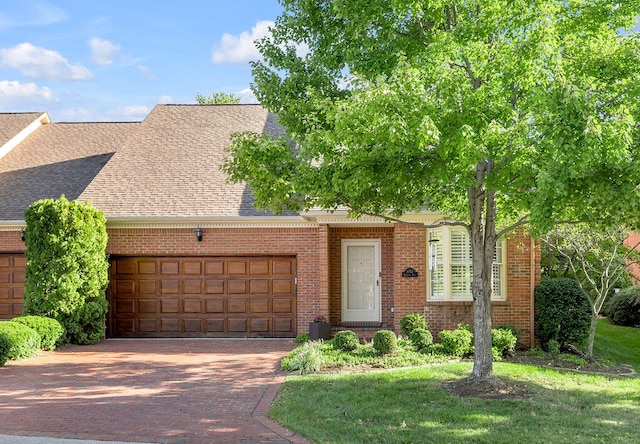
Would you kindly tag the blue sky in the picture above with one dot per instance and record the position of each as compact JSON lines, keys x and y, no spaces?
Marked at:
{"x":114,"y":60}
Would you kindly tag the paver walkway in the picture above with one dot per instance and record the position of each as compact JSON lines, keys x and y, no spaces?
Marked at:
{"x":157,"y":391}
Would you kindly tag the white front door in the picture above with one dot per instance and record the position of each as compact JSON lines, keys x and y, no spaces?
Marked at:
{"x":361,"y":280}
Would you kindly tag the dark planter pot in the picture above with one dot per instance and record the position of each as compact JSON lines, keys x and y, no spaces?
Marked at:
{"x":319,"y":330}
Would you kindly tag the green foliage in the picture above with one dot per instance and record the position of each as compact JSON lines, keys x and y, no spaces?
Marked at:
{"x":422,"y":339}
{"x":307,"y":358}
{"x":456,"y":342}
{"x":346,"y":340}
{"x":411,"y":321}
{"x":304,"y":337}
{"x":67,"y":268}
{"x":553,"y":347}
{"x":24,"y":342}
{"x":385,"y":342}
{"x":514,"y":330}
{"x":218,"y":98}
{"x":5,"y":346}
{"x":624,"y":308}
{"x":504,"y":341}
{"x":51,"y":332}
{"x":573,"y":359}
{"x":562,"y":311}
{"x":536,"y":352}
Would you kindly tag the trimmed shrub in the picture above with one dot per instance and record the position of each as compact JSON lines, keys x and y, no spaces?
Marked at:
{"x":67,"y":267}
{"x":24,"y":342}
{"x":411,"y":321}
{"x":303,"y":337}
{"x":51,"y":332}
{"x":563,"y":313}
{"x":456,"y":342}
{"x":5,"y":345}
{"x":624,"y":308}
{"x":421,"y":339}
{"x":504,"y":341}
{"x":517,"y":332}
{"x":385,"y":342}
{"x":346,"y":340}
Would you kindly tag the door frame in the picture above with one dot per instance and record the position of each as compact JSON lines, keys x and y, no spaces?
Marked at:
{"x":350,"y":315}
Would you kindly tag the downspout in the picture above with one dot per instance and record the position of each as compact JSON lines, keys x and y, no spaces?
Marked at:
{"x":532,"y":291}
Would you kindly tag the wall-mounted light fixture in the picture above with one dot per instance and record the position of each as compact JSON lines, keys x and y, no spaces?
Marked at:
{"x":22,"y":235}
{"x":198,"y":232}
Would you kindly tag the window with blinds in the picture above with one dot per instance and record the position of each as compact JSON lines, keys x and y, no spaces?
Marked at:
{"x":450,"y":266}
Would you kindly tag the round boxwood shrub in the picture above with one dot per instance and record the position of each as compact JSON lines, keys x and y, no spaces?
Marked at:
{"x":5,"y":345}
{"x":411,"y":321}
{"x":51,"y":332}
{"x":421,"y":339}
{"x":624,"y":308}
{"x":385,"y":342}
{"x":456,"y":342}
{"x":563,"y":313}
{"x":24,"y":342}
{"x":346,"y":341}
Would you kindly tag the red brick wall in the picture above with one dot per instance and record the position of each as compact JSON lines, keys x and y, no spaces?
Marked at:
{"x":10,"y":242}
{"x":309,"y":245}
{"x":633,"y":240}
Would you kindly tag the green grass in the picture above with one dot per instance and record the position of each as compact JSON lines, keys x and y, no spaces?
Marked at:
{"x":411,"y":405}
{"x":619,"y":344}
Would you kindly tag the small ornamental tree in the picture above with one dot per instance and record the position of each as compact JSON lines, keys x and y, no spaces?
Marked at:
{"x":67,"y":268}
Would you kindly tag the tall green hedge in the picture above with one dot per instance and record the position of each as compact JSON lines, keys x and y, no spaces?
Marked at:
{"x":67,"y":267}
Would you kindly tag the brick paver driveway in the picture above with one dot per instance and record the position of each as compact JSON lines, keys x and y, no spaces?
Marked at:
{"x":159,"y":391}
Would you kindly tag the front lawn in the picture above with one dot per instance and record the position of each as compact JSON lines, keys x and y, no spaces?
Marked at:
{"x":411,"y":406}
{"x":414,"y":405}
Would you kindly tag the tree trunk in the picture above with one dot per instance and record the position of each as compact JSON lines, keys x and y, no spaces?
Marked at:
{"x":592,"y":333}
{"x":482,"y":232}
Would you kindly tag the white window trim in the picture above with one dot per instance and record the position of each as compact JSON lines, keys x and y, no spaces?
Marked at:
{"x":347,"y":315}
{"x":445,"y":242}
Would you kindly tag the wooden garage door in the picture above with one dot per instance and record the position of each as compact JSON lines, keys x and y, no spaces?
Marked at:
{"x":202,"y":297}
{"x":11,"y":284}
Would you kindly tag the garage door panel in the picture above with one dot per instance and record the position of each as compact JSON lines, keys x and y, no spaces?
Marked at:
{"x":259,"y":325}
{"x":12,"y":273}
{"x":202,"y":296}
{"x":215,"y":305}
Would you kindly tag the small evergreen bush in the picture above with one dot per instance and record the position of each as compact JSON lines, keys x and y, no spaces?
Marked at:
{"x":346,"y":340}
{"x":504,"y":341}
{"x":553,"y":347}
{"x":5,"y":345}
{"x":563,"y":313}
{"x":421,"y":339}
{"x":411,"y":321}
{"x":456,"y":342}
{"x":51,"y":332}
{"x":624,"y":308}
{"x":24,"y":342}
{"x":303,"y":337}
{"x":385,"y":342}
{"x":517,"y":332}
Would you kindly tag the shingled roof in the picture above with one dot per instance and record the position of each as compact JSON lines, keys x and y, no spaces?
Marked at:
{"x":167,"y":166}
{"x":12,"y":123}
{"x":170,"y":167}
{"x":57,"y":158}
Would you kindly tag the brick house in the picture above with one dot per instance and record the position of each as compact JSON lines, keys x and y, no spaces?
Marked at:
{"x":191,"y":256}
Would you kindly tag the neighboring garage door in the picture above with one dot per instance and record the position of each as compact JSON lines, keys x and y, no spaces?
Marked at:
{"x":202,"y":297}
{"x":11,"y":284}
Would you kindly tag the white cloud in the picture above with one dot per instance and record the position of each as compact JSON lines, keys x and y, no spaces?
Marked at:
{"x":135,"y":111}
{"x":16,"y":96}
{"x":39,"y":63}
{"x":165,"y":99}
{"x":103,"y":52}
{"x":247,"y":96}
{"x":241,"y":49}
{"x":146,"y":71}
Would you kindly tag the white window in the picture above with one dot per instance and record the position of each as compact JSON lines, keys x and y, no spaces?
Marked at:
{"x":450,"y":266}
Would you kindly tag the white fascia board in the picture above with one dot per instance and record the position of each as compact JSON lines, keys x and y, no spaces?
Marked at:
{"x":211,"y":222}
{"x":15,"y":140}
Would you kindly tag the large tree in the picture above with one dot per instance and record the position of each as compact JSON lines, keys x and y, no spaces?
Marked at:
{"x":494,"y":113}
